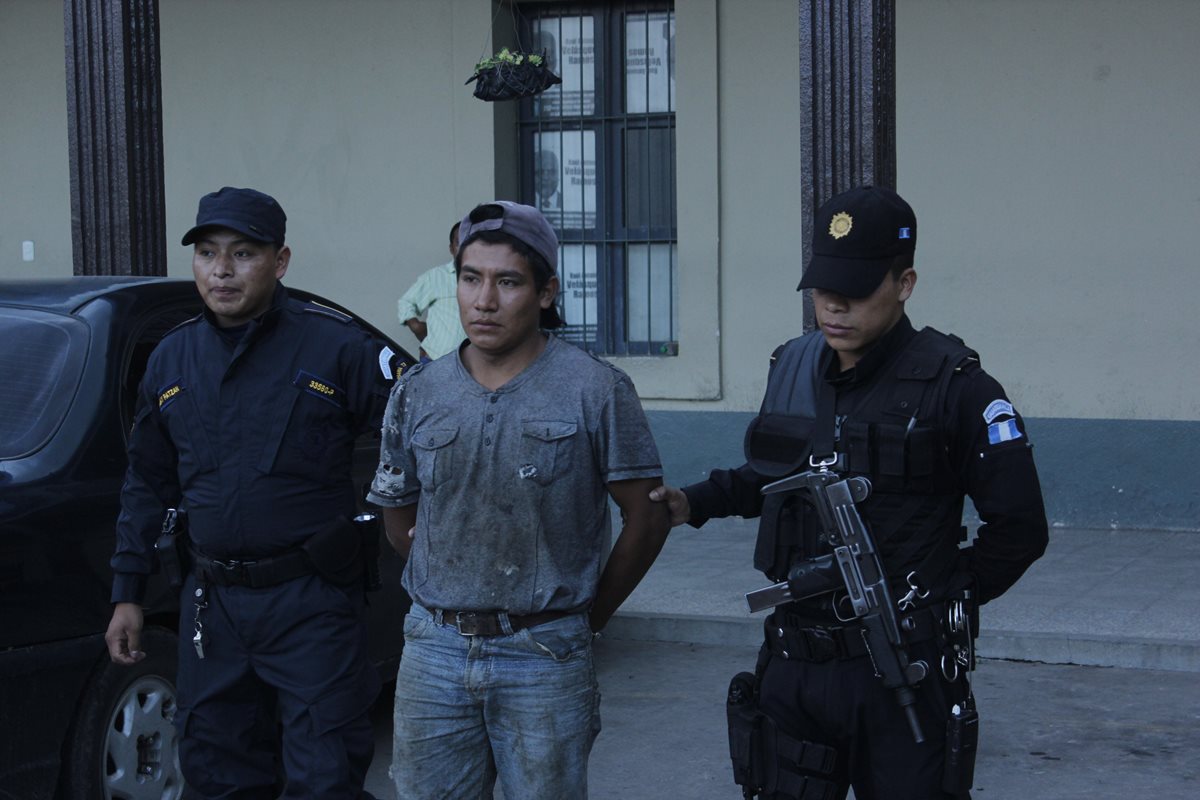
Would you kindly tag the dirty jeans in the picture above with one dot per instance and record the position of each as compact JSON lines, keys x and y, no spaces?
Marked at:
{"x":524,"y":708}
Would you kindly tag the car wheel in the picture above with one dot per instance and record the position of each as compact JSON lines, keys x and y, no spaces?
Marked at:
{"x":123,"y":744}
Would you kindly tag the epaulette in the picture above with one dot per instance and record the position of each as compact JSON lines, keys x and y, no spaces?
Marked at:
{"x":313,"y":307}
{"x":185,"y":323}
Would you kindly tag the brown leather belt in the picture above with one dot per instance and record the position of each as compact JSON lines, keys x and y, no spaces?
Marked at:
{"x":488,"y":623}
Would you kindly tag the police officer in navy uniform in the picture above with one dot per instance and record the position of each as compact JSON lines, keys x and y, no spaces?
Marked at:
{"x":914,"y":413}
{"x":246,"y":421}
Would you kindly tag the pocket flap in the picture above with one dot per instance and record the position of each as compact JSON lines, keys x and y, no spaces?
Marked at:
{"x":548,"y":430}
{"x":434,"y":438}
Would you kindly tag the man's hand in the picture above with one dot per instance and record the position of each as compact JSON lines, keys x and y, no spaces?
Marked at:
{"x":400,"y":526}
{"x":642,"y":536}
{"x":678,"y":506}
{"x":124,"y":635}
{"x":419,"y":329}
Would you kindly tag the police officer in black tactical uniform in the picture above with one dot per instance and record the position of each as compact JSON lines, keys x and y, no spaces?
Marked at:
{"x":914,"y":413}
{"x":246,"y":421}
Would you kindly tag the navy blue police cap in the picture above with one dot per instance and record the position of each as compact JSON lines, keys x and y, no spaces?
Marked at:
{"x":246,"y":211}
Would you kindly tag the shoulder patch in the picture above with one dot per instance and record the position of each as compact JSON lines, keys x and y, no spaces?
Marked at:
{"x":1006,"y":431}
{"x":385,"y":362}
{"x":996,"y":409}
{"x":313,"y":307}
{"x":392,"y":364}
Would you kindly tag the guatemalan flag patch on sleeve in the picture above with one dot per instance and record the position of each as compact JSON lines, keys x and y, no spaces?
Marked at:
{"x":1005,"y":431}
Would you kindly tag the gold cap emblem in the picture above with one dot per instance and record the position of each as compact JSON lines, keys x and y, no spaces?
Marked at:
{"x":840,"y":225}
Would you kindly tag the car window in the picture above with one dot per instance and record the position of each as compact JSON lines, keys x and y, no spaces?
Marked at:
{"x":153,"y":328}
{"x":41,"y":364}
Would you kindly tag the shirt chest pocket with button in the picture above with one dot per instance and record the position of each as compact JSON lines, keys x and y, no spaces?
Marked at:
{"x":433,"y":449}
{"x":545,"y":450}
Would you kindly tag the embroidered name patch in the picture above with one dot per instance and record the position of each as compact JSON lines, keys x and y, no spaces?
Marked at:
{"x":1005,"y":431}
{"x":996,"y":409}
{"x":169,"y":394}
{"x":319,"y":387}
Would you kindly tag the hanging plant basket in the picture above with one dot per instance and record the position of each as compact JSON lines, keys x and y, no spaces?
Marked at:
{"x":511,"y":76}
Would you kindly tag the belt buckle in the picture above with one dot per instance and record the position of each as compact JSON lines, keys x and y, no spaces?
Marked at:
{"x":820,"y":643}
{"x":472,"y":617}
{"x":238,"y":571}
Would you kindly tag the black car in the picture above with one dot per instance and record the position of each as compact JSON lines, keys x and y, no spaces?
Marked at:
{"x":72,"y":352}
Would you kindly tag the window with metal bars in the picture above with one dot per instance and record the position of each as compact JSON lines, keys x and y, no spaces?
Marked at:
{"x":598,"y":158}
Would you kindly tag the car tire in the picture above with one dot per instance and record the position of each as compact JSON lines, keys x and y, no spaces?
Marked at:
{"x":123,"y":742}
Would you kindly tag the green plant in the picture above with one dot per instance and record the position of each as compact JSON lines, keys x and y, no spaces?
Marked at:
{"x":510,"y":75}
{"x":508,"y":57}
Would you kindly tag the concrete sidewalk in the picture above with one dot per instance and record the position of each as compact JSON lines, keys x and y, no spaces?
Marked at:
{"x":1097,"y":597}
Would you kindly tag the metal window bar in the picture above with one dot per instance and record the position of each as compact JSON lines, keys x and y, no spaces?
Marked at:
{"x":598,"y":235}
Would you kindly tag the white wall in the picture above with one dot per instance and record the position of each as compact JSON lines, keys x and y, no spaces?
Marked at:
{"x":35,"y":174}
{"x":353,"y":115}
{"x":1049,"y":148}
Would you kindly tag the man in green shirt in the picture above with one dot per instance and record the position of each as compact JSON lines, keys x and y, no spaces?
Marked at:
{"x":435,"y":295}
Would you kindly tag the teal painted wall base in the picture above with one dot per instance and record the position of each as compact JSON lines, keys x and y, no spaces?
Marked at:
{"x":1118,"y":474}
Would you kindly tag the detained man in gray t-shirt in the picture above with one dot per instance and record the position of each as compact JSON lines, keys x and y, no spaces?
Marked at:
{"x":495,"y":473}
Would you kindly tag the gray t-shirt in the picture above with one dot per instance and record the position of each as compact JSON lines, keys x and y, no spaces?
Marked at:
{"x":513,"y":508}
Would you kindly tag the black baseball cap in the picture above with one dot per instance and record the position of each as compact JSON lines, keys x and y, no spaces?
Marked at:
{"x":525,"y":224}
{"x":857,"y":236}
{"x":246,"y":211}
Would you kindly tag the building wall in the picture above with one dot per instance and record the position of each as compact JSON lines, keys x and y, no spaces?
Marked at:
{"x":353,"y":115}
{"x":1047,"y":146}
{"x":35,"y":173}
{"x":1055,"y":177}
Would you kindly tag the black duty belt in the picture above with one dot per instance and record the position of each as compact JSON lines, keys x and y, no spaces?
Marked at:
{"x":256,"y":573}
{"x":488,"y":623}
{"x":827,"y":642}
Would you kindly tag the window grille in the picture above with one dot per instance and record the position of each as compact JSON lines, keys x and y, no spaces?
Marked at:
{"x":598,"y":158}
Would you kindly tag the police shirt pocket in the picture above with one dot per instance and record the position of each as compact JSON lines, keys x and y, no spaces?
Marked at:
{"x":544,"y":450}
{"x":434,"y":455}
{"x":310,"y":435}
{"x":177,"y":406}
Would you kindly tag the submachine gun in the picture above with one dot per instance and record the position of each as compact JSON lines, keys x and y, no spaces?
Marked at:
{"x":855,"y":568}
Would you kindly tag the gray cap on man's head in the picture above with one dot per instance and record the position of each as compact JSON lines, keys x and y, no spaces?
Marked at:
{"x":524,"y":223}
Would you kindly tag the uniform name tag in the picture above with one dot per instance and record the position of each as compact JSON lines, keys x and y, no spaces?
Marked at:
{"x":169,"y":394}
{"x":319,"y":387}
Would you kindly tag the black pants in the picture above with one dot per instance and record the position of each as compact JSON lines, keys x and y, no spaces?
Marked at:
{"x":297,"y":650}
{"x":842,"y":704}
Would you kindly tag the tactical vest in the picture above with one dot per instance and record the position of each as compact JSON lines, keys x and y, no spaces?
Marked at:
{"x":893,"y":435}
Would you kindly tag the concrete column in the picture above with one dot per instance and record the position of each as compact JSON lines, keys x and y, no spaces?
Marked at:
{"x":114,"y":112}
